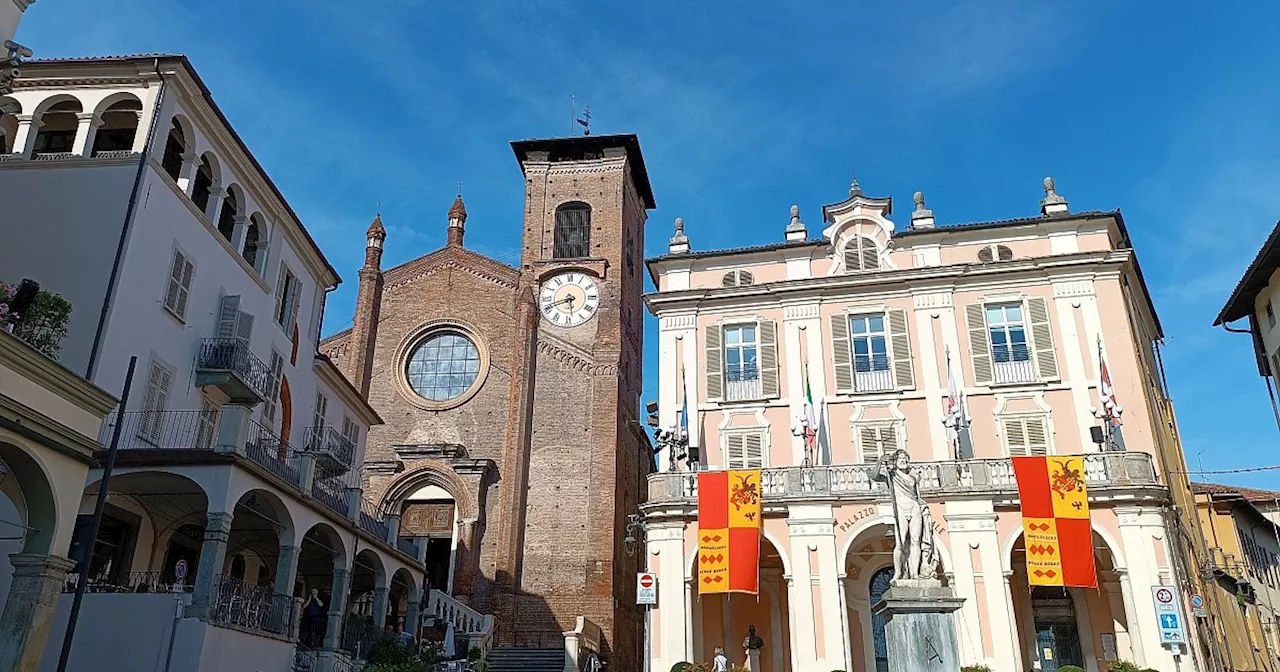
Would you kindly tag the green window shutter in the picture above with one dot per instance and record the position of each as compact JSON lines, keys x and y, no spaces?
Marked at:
{"x":979,"y":343}
{"x":900,"y":340}
{"x":1042,"y":338}
{"x":715,"y":363}
{"x":840,"y":355}
{"x":769,"y":359}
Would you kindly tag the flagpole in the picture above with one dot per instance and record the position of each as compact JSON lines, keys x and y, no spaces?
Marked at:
{"x":1106,"y":413}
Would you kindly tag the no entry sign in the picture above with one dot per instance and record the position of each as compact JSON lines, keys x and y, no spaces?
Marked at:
{"x":646,"y":588}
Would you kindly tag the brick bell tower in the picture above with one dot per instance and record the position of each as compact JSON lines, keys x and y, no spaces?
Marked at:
{"x":586,"y":202}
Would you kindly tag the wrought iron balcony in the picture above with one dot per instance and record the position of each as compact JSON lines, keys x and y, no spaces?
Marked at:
{"x":333,"y":452}
{"x":227,"y":364}
{"x":993,"y":477}
{"x":162,"y":430}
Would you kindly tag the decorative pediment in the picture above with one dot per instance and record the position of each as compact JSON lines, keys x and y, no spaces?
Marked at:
{"x":451,"y":259}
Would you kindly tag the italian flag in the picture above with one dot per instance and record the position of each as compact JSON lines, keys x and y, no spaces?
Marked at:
{"x":811,"y":419}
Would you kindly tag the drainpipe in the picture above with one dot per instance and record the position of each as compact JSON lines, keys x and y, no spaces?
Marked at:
{"x":129,"y":214}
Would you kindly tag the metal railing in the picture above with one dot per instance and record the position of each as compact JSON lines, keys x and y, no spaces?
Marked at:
{"x":371,"y":521}
{"x":359,"y":634}
{"x":305,"y":659}
{"x":331,"y":493}
{"x":162,"y":430}
{"x":233,"y":355}
{"x":856,"y":481}
{"x":132,"y":582}
{"x":268,"y":450}
{"x":255,"y":608}
{"x":409,"y":545}
{"x":741,"y":382}
{"x":332,"y":450}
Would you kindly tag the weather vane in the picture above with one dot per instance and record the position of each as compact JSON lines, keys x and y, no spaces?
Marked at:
{"x":585,"y":121}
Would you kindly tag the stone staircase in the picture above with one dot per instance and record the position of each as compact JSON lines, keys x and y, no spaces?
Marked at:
{"x":505,"y":659}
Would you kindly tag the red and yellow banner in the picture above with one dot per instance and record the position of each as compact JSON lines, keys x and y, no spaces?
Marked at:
{"x":729,"y":531}
{"x":1055,"y":521}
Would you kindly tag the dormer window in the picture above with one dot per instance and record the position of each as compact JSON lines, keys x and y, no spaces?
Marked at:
{"x":992,"y":253}
{"x":861,"y":254}
{"x":737,"y":279}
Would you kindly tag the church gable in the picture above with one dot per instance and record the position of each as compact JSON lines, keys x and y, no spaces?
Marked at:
{"x":450,"y":259}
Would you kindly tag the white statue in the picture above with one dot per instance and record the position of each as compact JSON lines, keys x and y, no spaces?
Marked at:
{"x":913,"y":553}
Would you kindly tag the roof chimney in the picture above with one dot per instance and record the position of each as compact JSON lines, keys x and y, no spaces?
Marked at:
{"x":796,"y":229}
{"x":679,"y":243}
{"x":1052,"y":203}
{"x":920,"y":217}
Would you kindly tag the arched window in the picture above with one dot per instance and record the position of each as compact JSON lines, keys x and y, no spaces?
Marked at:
{"x":737,"y":279}
{"x":992,"y":253}
{"x":251,"y":238}
{"x":227,"y":215}
{"x":879,"y":584}
{"x":174,"y":147}
{"x":57,"y":133}
{"x":203,"y":185}
{"x":118,"y":129}
{"x":861,"y":254}
{"x":573,"y":231}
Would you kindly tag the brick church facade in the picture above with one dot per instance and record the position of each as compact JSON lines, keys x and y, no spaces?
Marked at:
{"x":511,"y":398}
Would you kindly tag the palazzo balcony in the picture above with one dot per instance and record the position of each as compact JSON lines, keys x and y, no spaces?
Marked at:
{"x":229,"y":365}
{"x":1103,"y":472}
{"x":332,"y":450}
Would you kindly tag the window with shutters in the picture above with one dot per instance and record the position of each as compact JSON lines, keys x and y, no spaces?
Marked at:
{"x":177,"y":291}
{"x":744,"y":450}
{"x":350,"y":430}
{"x":573,"y":231}
{"x":1275,"y":364}
{"x":288,"y":296}
{"x":1026,"y":435}
{"x":208,"y":429}
{"x":1271,"y":316}
{"x":875,"y":440}
{"x":1010,"y":353}
{"x":861,"y":254}
{"x":870,"y":353}
{"x":233,"y":322}
{"x":741,"y":362}
{"x":156,"y":401}
{"x":992,"y":253}
{"x":737,"y":279}
{"x":273,"y":388}
{"x":317,"y":419}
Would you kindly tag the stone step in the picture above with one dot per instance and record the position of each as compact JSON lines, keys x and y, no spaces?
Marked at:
{"x":508,"y":659}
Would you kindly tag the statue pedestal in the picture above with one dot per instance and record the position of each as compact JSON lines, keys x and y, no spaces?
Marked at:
{"x":919,"y":626}
{"x":753,"y":660}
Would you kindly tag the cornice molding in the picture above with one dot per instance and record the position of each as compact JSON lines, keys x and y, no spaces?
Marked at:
{"x":578,"y":362}
{"x":31,"y":364}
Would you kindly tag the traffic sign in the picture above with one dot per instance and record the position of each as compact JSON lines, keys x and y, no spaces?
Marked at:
{"x":646,"y":588}
{"x":1197,"y":607}
{"x":180,"y":570}
{"x":1167,"y":615}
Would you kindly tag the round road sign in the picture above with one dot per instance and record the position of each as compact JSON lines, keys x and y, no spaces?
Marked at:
{"x":180,"y":570}
{"x":1197,"y":602}
{"x":1164,"y":596}
{"x":646,"y":581}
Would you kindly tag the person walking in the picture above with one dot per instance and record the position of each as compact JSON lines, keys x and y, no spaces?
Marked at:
{"x":720,"y":663}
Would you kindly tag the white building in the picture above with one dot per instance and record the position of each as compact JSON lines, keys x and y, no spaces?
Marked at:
{"x":10,"y":15}
{"x":127,"y":191}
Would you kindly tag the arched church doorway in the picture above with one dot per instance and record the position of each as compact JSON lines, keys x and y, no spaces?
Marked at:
{"x":430,"y":515}
{"x":1057,"y":634}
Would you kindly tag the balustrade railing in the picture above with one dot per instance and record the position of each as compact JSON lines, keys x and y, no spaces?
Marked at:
{"x":331,"y":493}
{"x":371,"y":521}
{"x":856,"y":481}
{"x":264,"y":447}
{"x":131,"y":582}
{"x":477,"y":627}
{"x":255,"y":608}
{"x":408,"y":545}
{"x":162,"y":430}
{"x":332,"y":450}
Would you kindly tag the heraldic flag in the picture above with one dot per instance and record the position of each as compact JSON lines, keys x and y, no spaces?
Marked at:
{"x":1055,"y":521}
{"x":729,"y":531}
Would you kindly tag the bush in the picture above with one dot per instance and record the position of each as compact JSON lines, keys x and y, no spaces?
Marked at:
{"x":1070,"y":668}
{"x":1123,"y":666}
{"x":688,"y":667}
{"x":975,"y":668}
{"x":44,"y":326}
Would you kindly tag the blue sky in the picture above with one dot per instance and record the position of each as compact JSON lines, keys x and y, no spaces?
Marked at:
{"x":744,"y":109}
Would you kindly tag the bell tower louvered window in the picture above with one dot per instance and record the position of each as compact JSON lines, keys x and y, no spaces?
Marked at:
{"x":737,"y":279}
{"x":573,"y":231}
{"x":861,"y":254}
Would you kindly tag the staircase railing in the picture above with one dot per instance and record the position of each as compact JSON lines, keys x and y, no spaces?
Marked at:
{"x":475,"y":626}
{"x":580,"y":645}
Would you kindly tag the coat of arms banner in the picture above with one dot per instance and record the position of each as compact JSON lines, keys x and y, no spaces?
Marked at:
{"x":729,"y":531}
{"x":1055,"y":521}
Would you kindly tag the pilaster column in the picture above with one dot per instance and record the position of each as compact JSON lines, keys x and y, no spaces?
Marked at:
{"x":380,"y":606}
{"x":1130,"y":613}
{"x":812,"y":532}
{"x":1004,"y":639}
{"x":354,"y":496}
{"x":233,"y":429}
{"x":972,"y":524}
{"x":1141,"y":528}
{"x":465,"y":560}
{"x":29,"y":608}
{"x":213,"y":553}
{"x":237,"y":234}
{"x":664,"y":544}
{"x":393,"y":528}
{"x":86,"y":130}
{"x":337,"y":607}
{"x":24,"y":141}
{"x":216,"y":192}
{"x":189,"y":163}
{"x":287,"y":569}
{"x":1119,"y":617}
{"x":412,"y":613}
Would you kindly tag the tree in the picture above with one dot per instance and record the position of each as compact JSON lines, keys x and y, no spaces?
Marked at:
{"x":44,"y":326}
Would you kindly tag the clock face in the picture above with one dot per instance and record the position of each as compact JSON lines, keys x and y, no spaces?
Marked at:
{"x":569,"y":299}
